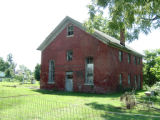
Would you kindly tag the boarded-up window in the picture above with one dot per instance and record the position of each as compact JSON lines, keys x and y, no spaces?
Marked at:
{"x":120,"y":56}
{"x":69,"y":55}
{"x":70,"y":31}
{"x":89,"y":70}
{"x":51,"y":71}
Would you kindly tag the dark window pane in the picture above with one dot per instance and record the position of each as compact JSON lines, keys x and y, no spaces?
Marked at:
{"x":70,"y":30}
{"x":69,"y":55}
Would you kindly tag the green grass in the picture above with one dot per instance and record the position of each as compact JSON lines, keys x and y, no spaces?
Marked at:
{"x":22,"y":102}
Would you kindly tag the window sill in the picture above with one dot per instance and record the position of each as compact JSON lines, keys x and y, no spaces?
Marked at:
{"x":70,"y":35}
{"x":88,"y":84}
{"x":51,"y":82}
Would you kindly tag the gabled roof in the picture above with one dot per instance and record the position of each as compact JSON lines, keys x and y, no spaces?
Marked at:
{"x":106,"y":39}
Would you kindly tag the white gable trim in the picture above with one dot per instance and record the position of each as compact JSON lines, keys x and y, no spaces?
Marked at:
{"x":57,"y":30}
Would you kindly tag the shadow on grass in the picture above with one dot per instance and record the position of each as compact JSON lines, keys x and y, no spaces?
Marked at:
{"x":112,"y":112}
{"x":63,"y":93}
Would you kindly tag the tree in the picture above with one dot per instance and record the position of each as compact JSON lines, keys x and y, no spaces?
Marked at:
{"x":3,"y":65}
{"x":156,"y":68}
{"x":10,"y":58}
{"x":11,"y":63}
{"x":27,"y":72}
{"x":151,"y":69}
{"x":9,"y":73}
{"x":37,"y":72}
{"x":126,"y":18}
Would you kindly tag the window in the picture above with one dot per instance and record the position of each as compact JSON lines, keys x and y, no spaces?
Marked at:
{"x":135,"y":81}
{"x":89,"y":70}
{"x":120,"y":79}
{"x":139,"y":60}
{"x":69,"y":55}
{"x":120,"y":56}
{"x":129,"y":79}
{"x":139,"y":81}
{"x":70,"y":30}
{"x":135,"y":60}
{"x":129,"y":58}
{"x":51,"y":71}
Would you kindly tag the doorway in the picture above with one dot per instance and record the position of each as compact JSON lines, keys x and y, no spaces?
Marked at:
{"x":69,"y":82}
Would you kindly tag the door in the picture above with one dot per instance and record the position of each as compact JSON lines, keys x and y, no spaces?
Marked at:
{"x":69,"y":81}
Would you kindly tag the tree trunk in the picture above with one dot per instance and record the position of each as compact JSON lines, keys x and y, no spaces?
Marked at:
{"x":122,"y":36}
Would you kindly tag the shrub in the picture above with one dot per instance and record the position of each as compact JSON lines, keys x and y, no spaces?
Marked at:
{"x":19,"y":78}
{"x":129,"y":99}
{"x":157,"y":88}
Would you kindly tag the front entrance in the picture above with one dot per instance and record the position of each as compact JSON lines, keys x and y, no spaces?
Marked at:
{"x":69,"y":81}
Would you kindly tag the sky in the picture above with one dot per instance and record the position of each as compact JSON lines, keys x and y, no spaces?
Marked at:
{"x":24,"y":25}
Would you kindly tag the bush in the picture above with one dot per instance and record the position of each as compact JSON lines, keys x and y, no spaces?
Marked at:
{"x":19,"y":78}
{"x":157,"y":88}
{"x":129,"y":99}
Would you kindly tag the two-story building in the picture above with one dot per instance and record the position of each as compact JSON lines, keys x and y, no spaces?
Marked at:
{"x":75,"y":60}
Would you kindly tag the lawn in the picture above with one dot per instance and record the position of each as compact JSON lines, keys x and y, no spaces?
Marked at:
{"x":27,"y":102}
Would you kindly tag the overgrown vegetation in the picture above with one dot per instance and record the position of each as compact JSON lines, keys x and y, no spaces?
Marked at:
{"x":129,"y":99}
{"x":151,"y":68}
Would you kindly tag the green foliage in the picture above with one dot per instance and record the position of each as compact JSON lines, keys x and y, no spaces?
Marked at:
{"x":9,"y":73}
{"x":37,"y":72}
{"x":10,"y":58}
{"x":3,"y":65}
{"x":157,"y":88}
{"x":134,"y":16}
{"x":129,"y":99}
{"x":18,"y":78}
{"x":151,"y":67}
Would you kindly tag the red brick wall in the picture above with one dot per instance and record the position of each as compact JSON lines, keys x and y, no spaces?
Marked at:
{"x":106,"y":64}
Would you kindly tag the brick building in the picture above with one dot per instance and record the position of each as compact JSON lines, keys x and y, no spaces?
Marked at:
{"x":74,"y":60}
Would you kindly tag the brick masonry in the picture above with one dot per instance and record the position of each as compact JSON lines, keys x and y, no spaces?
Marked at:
{"x":107,"y":66}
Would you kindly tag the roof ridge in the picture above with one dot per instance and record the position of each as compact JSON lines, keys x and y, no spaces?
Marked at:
{"x":103,"y":37}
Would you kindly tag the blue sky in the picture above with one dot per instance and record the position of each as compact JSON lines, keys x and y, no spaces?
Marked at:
{"x":24,"y":24}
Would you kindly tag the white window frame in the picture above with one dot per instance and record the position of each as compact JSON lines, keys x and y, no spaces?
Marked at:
{"x":51,"y":72}
{"x":86,"y":77}
{"x":69,"y":30}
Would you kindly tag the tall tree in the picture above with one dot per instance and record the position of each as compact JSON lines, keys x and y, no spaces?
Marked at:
{"x":11,"y":63}
{"x":37,"y":72}
{"x":10,"y":58}
{"x":126,"y":18}
{"x":151,"y":69}
{"x":3,"y":65}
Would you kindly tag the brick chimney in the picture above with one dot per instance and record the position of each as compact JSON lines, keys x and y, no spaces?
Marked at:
{"x":122,"y":37}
